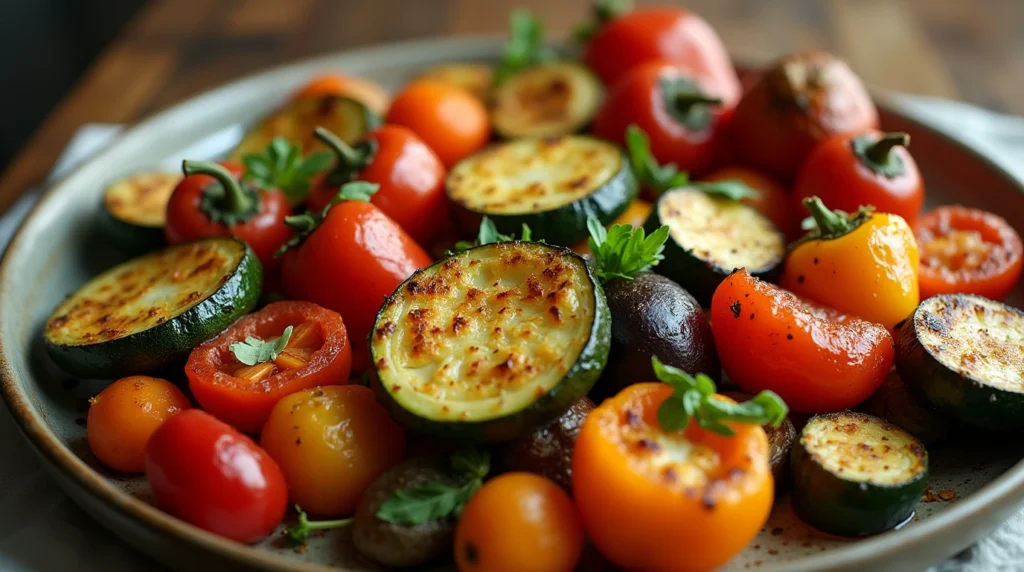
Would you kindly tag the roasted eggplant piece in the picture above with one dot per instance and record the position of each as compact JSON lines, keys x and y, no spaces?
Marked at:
{"x":897,"y":403}
{"x":780,"y":442}
{"x":548,"y":450}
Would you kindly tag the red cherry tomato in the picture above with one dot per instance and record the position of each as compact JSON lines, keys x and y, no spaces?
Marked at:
{"x":410,"y":175}
{"x":674,"y":107}
{"x":206,"y":473}
{"x":847,"y":171}
{"x":350,"y":263}
{"x":210,"y":201}
{"x":662,"y":33}
{"x":800,"y":100}
{"x":317,"y":353}
{"x":772,"y":200}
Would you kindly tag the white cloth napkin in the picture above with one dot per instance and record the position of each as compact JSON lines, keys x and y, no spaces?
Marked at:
{"x":41,"y":529}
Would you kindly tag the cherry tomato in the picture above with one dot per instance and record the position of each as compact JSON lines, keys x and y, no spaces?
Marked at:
{"x":370,"y":94}
{"x":875,"y":169}
{"x":208,"y":474}
{"x":350,"y":263}
{"x":968,"y":251}
{"x":124,"y":415}
{"x":210,"y":201}
{"x":799,"y":101}
{"x":657,"y":500}
{"x":519,"y":521}
{"x":680,"y":111}
{"x":772,"y":200}
{"x":317,"y":353}
{"x":449,"y":119}
{"x":662,"y":33}
{"x":331,"y":443}
{"x":410,"y":175}
{"x":767,"y":338}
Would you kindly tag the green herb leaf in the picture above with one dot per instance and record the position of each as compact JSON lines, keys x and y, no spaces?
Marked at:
{"x":354,"y":191}
{"x":299,"y":534}
{"x":624,"y":251}
{"x":603,"y":11}
{"x":525,"y":46}
{"x":733,"y":189}
{"x":254,"y":350}
{"x":488,"y":234}
{"x":693,"y":397}
{"x":432,"y":500}
{"x":650,"y":174}
{"x":281,"y":165}
{"x":472,"y":461}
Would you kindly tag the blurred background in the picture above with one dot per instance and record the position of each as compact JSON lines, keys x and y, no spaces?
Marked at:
{"x":70,"y":62}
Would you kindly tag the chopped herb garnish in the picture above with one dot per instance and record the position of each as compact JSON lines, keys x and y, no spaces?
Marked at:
{"x":282,"y":165}
{"x":650,"y":174}
{"x":488,"y":234}
{"x":254,"y":350}
{"x":433,"y":500}
{"x":624,"y":251}
{"x":525,"y":47}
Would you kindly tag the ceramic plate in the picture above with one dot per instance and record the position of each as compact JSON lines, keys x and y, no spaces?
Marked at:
{"x":976,"y":482}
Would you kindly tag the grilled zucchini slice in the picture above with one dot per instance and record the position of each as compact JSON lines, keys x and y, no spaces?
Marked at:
{"x":347,"y":118}
{"x":855,"y":474}
{"x":491,"y":343}
{"x":712,"y":235}
{"x":151,"y":311}
{"x":552,"y":185}
{"x":134,"y":209}
{"x":474,"y":77}
{"x":962,"y":353}
{"x":546,"y":100}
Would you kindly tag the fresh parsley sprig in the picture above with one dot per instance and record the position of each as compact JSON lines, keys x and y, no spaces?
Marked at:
{"x":624,"y":251}
{"x":254,"y":350}
{"x":433,"y":500}
{"x":282,"y":165}
{"x":488,"y":234}
{"x":693,"y":397}
{"x":603,"y":11}
{"x":299,"y":534}
{"x":525,"y":46}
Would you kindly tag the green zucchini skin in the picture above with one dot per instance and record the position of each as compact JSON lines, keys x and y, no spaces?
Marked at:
{"x":574,"y":385}
{"x":134,"y":195}
{"x":964,"y":395}
{"x":130,"y":238}
{"x":848,"y":507}
{"x":170,"y":342}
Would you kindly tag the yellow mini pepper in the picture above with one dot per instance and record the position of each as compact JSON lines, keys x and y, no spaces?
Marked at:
{"x":864,"y":264}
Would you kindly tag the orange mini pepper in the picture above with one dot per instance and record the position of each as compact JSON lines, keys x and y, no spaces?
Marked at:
{"x":864,"y":264}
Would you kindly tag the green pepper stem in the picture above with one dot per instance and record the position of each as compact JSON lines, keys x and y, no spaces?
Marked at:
{"x":325,"y":524}
{"x":236,"y":199}
{"x":347,"y":156}
{"x":686,"y":100}
{"x":878,"y":152}
{"x":829,"y":222}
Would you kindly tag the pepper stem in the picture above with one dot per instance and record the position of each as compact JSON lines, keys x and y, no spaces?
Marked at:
{"x":830,"y":223}
{"x":685,"y":101}
{"x":878,"y":152}
{"x":347,"y":156}
{"x":236,"y":200}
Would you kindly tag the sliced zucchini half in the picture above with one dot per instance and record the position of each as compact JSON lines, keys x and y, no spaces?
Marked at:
{"x":855,"y":474}
{"x":491,"y":343}
{"x":474,"y":77}
{"x":553,"y":185}
{"x":546,"y":100}
{"x":134,"y":209}
{"x":962,"y":353}
{"x":347,"y":118}
{"x":710,"y":236}
{"x":151,"y":311}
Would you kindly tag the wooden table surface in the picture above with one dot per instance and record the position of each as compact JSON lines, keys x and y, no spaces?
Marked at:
{"x":173,"y":49}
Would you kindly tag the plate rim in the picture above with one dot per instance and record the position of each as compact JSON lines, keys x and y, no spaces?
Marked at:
{"x":1007,"y":488}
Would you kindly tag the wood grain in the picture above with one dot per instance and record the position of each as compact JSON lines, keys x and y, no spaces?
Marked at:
{"x":175,"y":49}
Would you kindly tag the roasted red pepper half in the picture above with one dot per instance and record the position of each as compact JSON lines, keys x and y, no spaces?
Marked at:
{"x":874,"y":169}
{"x":239,"y":375}
{"x":816,"y":360}
{"x":968,"y":251}
{"x":410,"y":175}
{"x":212,"y":201}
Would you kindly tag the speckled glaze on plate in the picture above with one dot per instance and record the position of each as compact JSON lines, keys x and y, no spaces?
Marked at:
{"x":976,"y":482}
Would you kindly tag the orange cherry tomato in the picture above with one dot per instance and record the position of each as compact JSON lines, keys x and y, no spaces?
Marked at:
{"x":124,"y":415}
{"x":369,"y":93}
{"x":656,"y":500}
{"x":682,"y":113}
{"x":772,"y":200}
{"x":410,"y":175}
{"x":800,"y":100}
{"x":331,"y":443}
{"x":449,"y":119}
{"x":354,"y":259}
{"x":519,"y":522}
{"x":767,"y":338}
{"x":968,"y":251}
{"x":317,"y":353}
{"x":662,"y":33}
{"x":875,"y":169}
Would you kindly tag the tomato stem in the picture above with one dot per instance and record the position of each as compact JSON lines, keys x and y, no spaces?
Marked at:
{"x":686,"y":102}
{"x":879,"y":150}
{"x":235,"y":199}
{"x":346,"y":155}
{"x":298,"y":535}
{"x":830,"y":222}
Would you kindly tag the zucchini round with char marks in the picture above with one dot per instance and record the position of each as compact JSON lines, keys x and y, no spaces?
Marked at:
{"x":490,"y":343}
{"x":546,"y":100}
{"x":134,"y":209}
{"x":474,"y":77}
{"x":712,"y":235}
{"x":151,"y":311}
{"x":552,"y":185}
{"x":965,"y":355}
{"x":855,"y":474}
